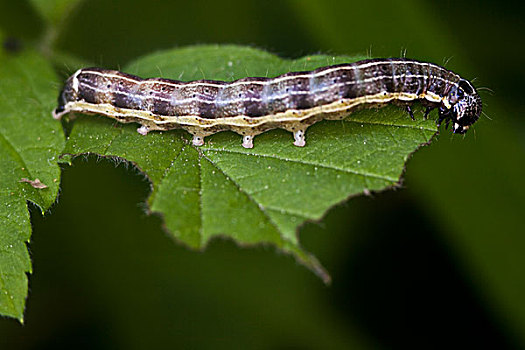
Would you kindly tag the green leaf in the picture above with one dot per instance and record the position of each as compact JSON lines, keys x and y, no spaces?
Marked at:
{"x":260,"y":195}
{"x":30,"y":142}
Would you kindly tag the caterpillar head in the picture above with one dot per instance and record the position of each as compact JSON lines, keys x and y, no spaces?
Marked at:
{"x":465,"y":107}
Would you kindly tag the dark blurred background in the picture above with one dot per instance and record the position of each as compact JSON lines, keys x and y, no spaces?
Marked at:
{"x":438,"y":263}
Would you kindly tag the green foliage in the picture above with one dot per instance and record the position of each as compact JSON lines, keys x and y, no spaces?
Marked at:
{"x":30,"y":143}
{"x":252,"y":196}
{"x":260,"y":195}
{"x":468,"y":190}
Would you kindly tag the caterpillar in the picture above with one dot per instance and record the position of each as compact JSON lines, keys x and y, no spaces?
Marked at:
{"x":250,"y":106}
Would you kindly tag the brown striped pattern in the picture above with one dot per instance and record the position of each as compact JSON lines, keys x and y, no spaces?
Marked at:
{"x":249,"y":106}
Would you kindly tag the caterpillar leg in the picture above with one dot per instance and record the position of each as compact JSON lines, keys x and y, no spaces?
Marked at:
{"x":427,"y":111}
{"x":299,"y":138}
{"x":198,"y":140}
{"x":143,"y":130}
{"x":57,"y":114}
{"x":410,"y":112}
{"x":247,"y":141}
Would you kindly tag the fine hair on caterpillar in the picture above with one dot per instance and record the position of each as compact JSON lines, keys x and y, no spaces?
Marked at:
{"x":253,"y":105}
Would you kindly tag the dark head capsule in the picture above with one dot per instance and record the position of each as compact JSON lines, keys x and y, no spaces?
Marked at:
{"x":465,"y":107}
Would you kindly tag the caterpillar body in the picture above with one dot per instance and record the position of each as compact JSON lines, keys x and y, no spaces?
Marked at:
{"x":250,"y":106}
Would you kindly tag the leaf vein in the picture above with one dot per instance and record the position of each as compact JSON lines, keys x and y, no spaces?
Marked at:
{"x":415,"y":127}
{"x":346,"y":171}
{"x":250,"y":197}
